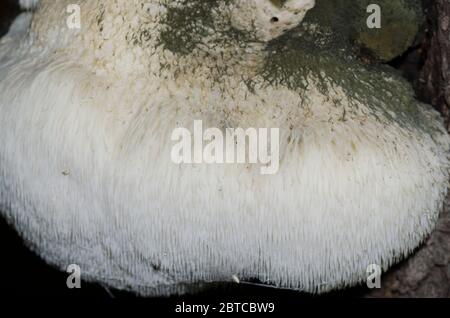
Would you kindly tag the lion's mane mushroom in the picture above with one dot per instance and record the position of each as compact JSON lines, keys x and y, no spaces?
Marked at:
{"x":86,"y":117}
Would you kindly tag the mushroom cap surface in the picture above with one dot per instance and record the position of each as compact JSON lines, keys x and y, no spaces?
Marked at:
{"x":86,"y":175}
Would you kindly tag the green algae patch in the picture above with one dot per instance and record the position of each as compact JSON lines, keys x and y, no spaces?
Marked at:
{"x":323,"y":48}
{"x":326,"y":46}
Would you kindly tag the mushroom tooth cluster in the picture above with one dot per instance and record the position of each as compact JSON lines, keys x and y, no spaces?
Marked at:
{"x":86,"y":175}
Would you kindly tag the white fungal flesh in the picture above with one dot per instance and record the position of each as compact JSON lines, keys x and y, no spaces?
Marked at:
{"x":28,"y":4}
{"x":86,"y":175}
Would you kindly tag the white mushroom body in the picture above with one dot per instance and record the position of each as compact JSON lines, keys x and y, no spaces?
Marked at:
{"x":86,"y":175}
{"x":28,"y":4}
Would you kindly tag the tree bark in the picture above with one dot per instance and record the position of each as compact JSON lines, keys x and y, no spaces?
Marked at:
{"x":434,"y":82}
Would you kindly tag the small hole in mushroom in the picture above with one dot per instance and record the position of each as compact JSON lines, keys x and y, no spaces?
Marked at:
{"x":274,"y":20}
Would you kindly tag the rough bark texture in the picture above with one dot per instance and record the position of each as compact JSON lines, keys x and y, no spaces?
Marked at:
{"x":434,"y":81}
